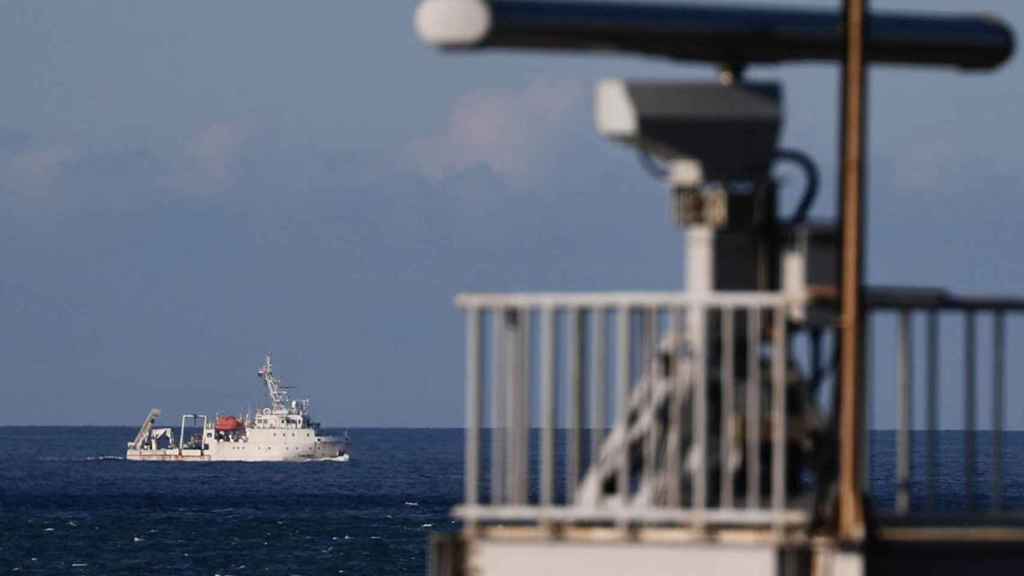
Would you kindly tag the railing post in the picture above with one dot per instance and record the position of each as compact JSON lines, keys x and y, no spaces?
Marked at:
{"x":599,"y":390}
{"x":933,"y":405}
{"x":474,"y":407}
{"x":577,"y":336}
{"x":548,"y":406}
{"x":622,"y":387}
{"x":498,"y":396}
{"x":726,"y":431}
{"x":779,"y":440}
{"x":905,"y":449}
{"x":998,"y":411}
{"x":521,"y":480}
{"x":970,"y":351}
{"x":674,"y":444}
{"x":698,"y":338}
{"x":753,"y":402}
{"x":649,"y":354}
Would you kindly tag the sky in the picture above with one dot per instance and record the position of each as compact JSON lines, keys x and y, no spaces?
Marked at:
{"x":185,"y":186}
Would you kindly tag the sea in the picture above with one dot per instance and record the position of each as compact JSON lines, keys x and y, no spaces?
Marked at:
{"x":71,"y":504}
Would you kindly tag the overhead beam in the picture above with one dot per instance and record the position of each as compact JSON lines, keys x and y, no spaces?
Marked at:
{"x":730,"y":35}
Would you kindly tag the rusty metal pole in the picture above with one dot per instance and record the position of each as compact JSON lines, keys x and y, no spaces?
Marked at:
{"x":851,"y":383}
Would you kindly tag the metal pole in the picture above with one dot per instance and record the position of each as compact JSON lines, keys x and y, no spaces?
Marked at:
{"x":522,"y":389}
{"x":599,"y":399}
{"x":674,"y":442}
{"x":622,"y":410}
{"x":998,"y":412}
{"x":577,"y":338}
{"x":474,"y":405}
{"x":700,"y":411}
{"x":851,"y":415}
{"x":970,"y":401}
{"x":181,"y":437}
{"x":933,"y":407}
{"x":779,"y":441}
{"x":513,"y":372}
{"x":727,"y":432}
{"x":754,"y":408}
{"x":548,"y":407}
{"x":498,"y":361}
{"x":904,"y":446}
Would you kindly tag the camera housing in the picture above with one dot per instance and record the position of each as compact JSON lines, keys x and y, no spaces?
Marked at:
{"x":731,"y":130}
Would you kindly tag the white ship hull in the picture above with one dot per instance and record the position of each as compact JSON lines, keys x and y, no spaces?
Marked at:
{"x":280,"y":446}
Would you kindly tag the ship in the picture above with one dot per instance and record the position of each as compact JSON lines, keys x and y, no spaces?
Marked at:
{"x":282,"y":431}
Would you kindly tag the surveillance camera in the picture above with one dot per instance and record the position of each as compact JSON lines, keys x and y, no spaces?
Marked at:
{"x":731,"y":130}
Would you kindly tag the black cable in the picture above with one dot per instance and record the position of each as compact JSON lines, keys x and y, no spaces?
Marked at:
{"x":656,"y":169}
{"x":813,"y":178}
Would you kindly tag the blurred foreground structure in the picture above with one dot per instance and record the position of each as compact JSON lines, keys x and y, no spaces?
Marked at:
{"x":721,"y":428}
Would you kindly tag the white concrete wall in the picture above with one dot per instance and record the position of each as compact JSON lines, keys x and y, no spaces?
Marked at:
{"x":560,"y":558}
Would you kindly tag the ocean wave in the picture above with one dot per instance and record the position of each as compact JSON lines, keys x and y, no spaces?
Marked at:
{"x":81,"y":459}
{"x":342,"y":458}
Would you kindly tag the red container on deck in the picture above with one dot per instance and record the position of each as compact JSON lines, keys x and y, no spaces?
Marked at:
{"x":228,"y":424}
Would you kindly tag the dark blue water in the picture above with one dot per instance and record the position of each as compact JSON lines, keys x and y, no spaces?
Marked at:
{"x":70,"y":505}
{"x":948,"y":489}
{"x":64,"y":509}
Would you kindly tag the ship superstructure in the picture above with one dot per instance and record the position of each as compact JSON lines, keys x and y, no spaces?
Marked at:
{"x":281,"y":431}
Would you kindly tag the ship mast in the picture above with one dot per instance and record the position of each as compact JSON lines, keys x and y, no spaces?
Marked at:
{"x":278,"y":394}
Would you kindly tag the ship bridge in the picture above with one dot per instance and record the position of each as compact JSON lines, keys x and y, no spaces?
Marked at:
{"x":724,"y":427}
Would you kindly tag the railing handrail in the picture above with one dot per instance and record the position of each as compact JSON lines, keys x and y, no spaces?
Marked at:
{"x":903,"y":297}
{"x":876,"y":298}
{"x":638,"y":299}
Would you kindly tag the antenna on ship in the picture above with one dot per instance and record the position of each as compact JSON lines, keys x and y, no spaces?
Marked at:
{"x":278,"y":396}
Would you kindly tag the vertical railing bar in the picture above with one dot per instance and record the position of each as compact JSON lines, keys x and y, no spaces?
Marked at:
{"x":622,"y":410}
{"x":779,"y":413}
{"x":599,"y":397}
{"x":512,"y":366}
{"x":700,"y":411}
{"x":998,"y":410}
{"x":575,"y":457}
{"x":651,"y":375}
{"x":726,"y":431}
{"x":868,"y":399}
{"x":549,"y":406}
{"x":906,"y":398}
{"x":753,"y":402}
{"x":498,"y":396}
{"x":969,"y":408}
{"x":931,"y":458}
{"x":474,"y":407}
{"x":673,"y":445}
{"x":523,"y":396}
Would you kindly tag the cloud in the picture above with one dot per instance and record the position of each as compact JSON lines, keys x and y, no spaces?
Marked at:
{"x":513,"y":132}
{"x":212,"y":156}
{"x":33,"y":172}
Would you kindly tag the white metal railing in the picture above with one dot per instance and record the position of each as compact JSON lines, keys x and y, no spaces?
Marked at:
{"x":916,"y":492}
{"x":625,"y":408}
